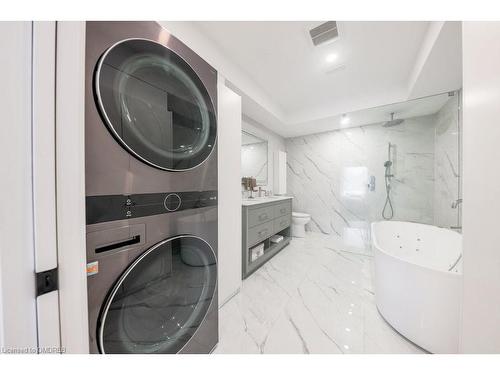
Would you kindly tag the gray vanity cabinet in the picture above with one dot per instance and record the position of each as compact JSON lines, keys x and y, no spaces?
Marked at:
{"x":260,"y":222}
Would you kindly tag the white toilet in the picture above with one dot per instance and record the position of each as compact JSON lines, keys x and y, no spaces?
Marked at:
{"x":299,"y":221}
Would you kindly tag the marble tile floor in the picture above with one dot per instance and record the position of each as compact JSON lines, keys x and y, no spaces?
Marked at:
{"x":312,"y":297}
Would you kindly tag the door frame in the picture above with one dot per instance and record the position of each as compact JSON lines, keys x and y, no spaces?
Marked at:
{"x":70,"y":185}
{"x":44,"y":178}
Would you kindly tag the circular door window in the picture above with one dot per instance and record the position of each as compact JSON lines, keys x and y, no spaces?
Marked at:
{"x":155,"y":105}
{"x":161,"y":299}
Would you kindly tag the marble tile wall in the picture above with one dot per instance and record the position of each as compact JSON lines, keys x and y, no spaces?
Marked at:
{"x":328,"y":175}
{"x":447,"y":166}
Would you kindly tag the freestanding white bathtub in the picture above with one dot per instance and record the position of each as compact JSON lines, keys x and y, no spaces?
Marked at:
{"x":418,"y":272}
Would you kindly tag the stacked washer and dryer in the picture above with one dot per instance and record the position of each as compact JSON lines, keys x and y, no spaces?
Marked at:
{"x":151,"y":192}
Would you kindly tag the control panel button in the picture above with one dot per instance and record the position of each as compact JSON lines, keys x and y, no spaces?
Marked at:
{"x":172,"y":202}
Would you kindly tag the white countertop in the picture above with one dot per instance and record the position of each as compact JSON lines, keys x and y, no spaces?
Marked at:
{"x":255,"y":201}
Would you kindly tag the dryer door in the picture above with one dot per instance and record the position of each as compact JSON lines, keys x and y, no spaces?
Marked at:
{"x":155,"y":105}
{"x":160,"y":301}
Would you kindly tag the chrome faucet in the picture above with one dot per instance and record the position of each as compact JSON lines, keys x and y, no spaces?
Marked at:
{"x":456,"y":203}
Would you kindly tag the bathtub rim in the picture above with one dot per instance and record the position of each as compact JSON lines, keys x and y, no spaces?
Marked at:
{"x":381,"y":250}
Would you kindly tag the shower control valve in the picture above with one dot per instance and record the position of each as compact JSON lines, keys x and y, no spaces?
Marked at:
{"x":371,"y":183}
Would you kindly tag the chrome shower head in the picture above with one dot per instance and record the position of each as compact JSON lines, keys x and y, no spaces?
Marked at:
{"x":392,"y":122}
{"x":388,"y":163}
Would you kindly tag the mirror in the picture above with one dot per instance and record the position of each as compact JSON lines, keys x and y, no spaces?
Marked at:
{"x":254,"y":160}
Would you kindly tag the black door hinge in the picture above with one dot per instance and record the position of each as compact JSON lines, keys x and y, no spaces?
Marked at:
{"x":46,"y":281}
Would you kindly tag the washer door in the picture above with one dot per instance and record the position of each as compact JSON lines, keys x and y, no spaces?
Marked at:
{"x":155,"y":105}
{"x":161,"y":299}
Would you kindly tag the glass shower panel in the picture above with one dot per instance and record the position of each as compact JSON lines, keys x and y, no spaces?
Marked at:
{"x":447,"y":185}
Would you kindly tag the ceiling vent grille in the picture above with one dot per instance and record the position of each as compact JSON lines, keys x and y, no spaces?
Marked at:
{"x":324,"y":33}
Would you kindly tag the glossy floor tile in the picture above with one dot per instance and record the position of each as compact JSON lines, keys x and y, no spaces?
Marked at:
{"x":315,"y":296}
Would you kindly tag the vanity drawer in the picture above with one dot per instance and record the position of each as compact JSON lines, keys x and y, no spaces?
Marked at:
{"x":283,"y":209}
{"x":260,"y":215}
{"x":282,"y":223}
{"x":259,"y":233}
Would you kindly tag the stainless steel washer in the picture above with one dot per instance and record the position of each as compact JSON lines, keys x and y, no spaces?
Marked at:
{"x":150,"y":112}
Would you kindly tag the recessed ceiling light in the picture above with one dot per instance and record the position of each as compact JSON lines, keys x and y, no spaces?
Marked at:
{"x":331,"y":57}
{"x":345,"y":119}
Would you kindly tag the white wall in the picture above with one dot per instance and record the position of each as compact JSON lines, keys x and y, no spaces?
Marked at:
{"x":275,"y":143}
{"x":17,"y":268}
{"x":481,"y":188}
{"x":70,"y":165}
{"x":229,"y":212}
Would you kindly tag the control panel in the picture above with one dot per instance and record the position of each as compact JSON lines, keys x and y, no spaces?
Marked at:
{"x":102,"y":208}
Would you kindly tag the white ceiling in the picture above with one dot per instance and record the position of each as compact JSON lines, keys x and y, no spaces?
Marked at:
{"x":377,"y":63}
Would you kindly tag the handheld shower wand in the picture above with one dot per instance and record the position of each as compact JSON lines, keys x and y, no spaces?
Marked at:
{"x":388,"y":175}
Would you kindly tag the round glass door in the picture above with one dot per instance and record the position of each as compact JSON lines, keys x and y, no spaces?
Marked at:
{"x":161,"y":299}
{"x":155,"y":105}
